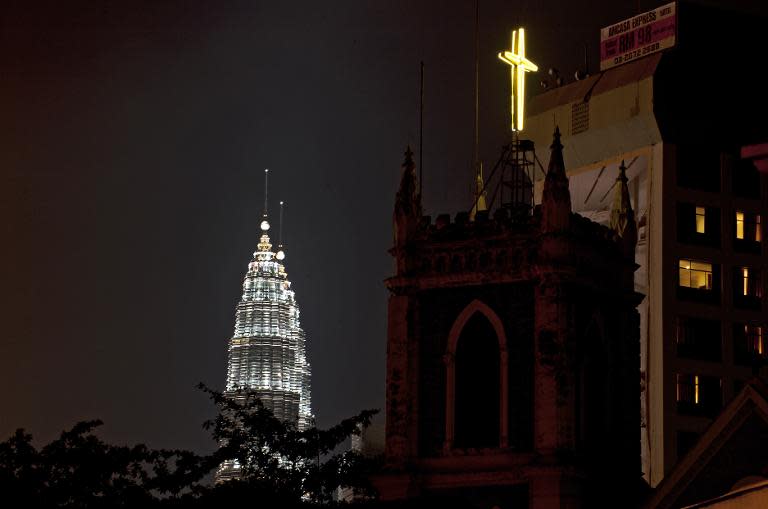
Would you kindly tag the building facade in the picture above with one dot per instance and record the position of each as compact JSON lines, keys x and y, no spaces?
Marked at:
{"x":267,"y":352}
{"x":512,"y":357}
{"x":701,"y":206}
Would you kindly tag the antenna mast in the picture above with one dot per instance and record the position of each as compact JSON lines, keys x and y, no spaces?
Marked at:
{"x":264,"y":223}
{"x":266,"y":175}
{"x":477,"y":83}
{"x":280,"y":255}
{"x":478,"y":189}
{"x":421,"y":128}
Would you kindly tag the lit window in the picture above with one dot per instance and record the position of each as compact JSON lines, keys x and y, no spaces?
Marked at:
{"x":695,"y":274}
{"x":687,"y":389}
{"x":700,"y":220}
{"x":750,"y":282}
{"x":755,"y":339}
{"x":748,"y":234}
{"x":749,"y":343}
{"x":745,"y":279}
{"x":699,"y":394}
{"x":696,"y":389}
{"x":739,"y":225}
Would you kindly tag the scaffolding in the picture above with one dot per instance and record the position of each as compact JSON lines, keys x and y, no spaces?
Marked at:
{"x":511,"y":179}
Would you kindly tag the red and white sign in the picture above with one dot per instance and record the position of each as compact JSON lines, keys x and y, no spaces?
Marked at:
{"x":637,"y":37}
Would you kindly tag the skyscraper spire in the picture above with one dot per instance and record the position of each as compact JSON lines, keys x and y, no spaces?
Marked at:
{"x":267,"y":352}
{"x":266,"y":189}
{"x":264,"y":221}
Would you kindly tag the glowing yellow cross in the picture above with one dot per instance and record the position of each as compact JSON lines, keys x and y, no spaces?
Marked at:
{"x":519,"y":65}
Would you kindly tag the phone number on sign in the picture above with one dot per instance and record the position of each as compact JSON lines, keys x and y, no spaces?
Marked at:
{"x":631,"y":55}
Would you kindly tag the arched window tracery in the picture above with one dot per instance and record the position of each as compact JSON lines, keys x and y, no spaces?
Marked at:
{"x":476,"y":392}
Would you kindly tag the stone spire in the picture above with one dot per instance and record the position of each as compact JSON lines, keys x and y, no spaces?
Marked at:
{"x":622,"y":215}
{"x":407,"y":203}
{"x":556,"y":198}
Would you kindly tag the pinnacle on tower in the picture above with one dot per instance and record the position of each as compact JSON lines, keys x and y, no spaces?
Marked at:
{"x":408,"y":202}
{"x":556,"y":198}
{"x":480,"y":195}
{"x":407,"y":196}
{"x":622,"y":215}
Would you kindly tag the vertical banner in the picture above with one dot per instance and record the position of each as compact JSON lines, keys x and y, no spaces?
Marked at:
{"x":637,"y":37}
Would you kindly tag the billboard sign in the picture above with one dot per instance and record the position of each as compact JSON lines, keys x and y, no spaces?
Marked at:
{"x":636,"y":37}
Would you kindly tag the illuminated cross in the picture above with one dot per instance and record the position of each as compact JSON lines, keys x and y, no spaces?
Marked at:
{"x":519,"y":66}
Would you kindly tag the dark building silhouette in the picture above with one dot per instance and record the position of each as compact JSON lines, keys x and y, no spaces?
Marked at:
{"x":513,"y":364}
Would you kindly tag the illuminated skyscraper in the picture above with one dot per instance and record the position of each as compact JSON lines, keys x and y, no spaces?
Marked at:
{"x":267,"y":351}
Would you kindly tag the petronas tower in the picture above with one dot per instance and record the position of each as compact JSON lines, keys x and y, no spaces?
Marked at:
{"x":267,"y":352}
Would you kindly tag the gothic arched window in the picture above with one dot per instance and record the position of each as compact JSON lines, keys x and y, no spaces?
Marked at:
{"x":477,"y":410}
{"x":476,"y":391}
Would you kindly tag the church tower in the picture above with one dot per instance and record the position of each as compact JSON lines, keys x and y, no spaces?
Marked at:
{"x":512,"y":355}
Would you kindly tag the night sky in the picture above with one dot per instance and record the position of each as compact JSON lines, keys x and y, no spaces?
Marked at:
{"x":133,"y":139}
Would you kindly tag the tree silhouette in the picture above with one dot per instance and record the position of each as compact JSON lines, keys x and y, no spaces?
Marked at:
{"x":292,"y":464}
{"x":80,"y":470}
{"x":281,"y":465}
